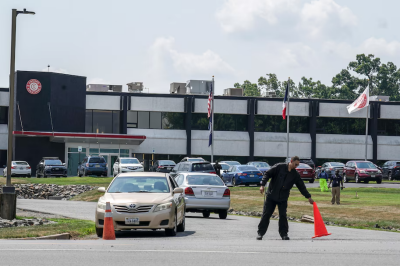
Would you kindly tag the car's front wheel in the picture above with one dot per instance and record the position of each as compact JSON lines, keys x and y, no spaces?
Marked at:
{"x":181,"y":226}
{"x":172,"y":231}
{"x":223,"y":214}
{"x":379,"y":181}
{"x":311,"y":181}
{"x":99,"y":232}
{"x":233,"y":181}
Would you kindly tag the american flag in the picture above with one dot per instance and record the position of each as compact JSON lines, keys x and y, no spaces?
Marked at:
{"x":209,"y":102}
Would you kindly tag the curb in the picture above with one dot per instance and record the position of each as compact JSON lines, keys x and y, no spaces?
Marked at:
{"x":64,"y":236}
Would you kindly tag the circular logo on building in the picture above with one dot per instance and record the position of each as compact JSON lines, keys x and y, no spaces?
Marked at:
{"x":361,"y":102}
{"x":33,"y":86}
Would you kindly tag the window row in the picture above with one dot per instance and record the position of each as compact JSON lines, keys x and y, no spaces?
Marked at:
{"x":155,"y":120}
{"x":3,"y":114}
{"x":103,"y":121}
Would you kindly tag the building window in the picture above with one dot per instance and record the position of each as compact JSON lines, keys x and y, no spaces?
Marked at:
{"x":102,"y":121}
{"x":223,"y":122}
{"x":156,"y":120}
{"x":3,"y":114}
{"x":388,"y":127}
{"x":275,"y":123}
{"x":345,"y":126}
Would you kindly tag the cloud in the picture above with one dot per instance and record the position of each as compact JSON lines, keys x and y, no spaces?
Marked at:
{"x":318,"y":18}
{"x":55,"y":70}
{"x":380,"y":47}
{"x":164,"y":56}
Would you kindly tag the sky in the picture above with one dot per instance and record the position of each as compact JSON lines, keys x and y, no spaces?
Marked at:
{"x":160,"y":42}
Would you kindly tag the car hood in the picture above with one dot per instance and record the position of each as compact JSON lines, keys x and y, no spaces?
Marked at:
{"x":131,"y":164}
{"x":153,"y":198}
{"x":368,"y":169}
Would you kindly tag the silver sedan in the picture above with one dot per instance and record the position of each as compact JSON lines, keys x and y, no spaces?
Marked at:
{"x":205,"y":193}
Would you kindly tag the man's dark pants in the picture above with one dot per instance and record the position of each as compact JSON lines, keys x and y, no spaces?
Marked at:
{"x":269,"y":208}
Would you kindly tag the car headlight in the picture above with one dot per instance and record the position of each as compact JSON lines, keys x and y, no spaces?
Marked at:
{"x":163,"y":207}
{"x":101,"y":205}
{"x":362,"y":172}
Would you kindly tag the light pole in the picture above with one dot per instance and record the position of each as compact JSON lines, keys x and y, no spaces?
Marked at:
{"x":8,"y":199}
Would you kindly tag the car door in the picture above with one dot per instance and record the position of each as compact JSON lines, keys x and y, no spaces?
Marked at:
{"x":179,"y":201}
{"x":352,"y":170}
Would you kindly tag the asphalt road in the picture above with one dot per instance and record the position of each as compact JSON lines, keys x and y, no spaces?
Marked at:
{"x":205,"y":242}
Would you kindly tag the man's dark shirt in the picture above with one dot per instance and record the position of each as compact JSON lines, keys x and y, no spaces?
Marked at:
{"x":282,"y":181}
{"x":218,"y":168}
{"x":335,"y":179}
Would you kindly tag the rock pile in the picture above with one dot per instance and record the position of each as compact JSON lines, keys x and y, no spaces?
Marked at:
{"x":44,"y":191}
{"x":24,"y":222}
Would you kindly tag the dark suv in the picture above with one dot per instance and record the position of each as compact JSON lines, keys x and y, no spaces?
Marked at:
{"x":391,"y":170}
{"x":93,"y":165}
{"x":202,"y":167}
{"x":361,"y":171}
{"x":51,"y":166}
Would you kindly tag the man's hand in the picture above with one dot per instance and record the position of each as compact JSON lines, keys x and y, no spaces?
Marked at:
{"x":262,"y":188}
{"x":310,"y":200}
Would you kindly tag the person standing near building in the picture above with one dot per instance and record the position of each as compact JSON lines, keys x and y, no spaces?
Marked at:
{"x":217,"y":168}
{"x":283,"y":176}
{"x":335,"y":180}
{"x":323,"y":181}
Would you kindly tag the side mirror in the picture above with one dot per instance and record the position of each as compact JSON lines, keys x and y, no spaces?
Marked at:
{"x":178,"y":190}
{"x":101,"y":189}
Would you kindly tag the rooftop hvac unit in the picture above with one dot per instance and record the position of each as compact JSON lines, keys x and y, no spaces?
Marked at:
{"x":103,"y":87}
{"x":178,"y":88}
{"x":269,"y":94}
{"x":198,"y":86}
{"x":233,"y":92}
{"x":379,"y":98}
{"x":136,"y":87}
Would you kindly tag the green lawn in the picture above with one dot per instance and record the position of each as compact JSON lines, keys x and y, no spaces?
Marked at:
{"x":93,"y":181}
{"x":76,"y":228}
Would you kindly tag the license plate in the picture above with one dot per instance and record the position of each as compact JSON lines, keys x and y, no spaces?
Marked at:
{"x":134,"y":221}
{"x":57,"y":169}
{"x":208,"y":193}
{"x":372,"y":175}
{"x":97,"y":165}
{"x":169,"y":168}
{"x":21,"y":168}
{"x":251,"y":175}
{"x":304,"y":173}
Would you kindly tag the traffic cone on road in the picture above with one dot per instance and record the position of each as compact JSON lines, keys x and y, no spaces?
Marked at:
{"x":108,"y":228}
{"x":319,"y":226}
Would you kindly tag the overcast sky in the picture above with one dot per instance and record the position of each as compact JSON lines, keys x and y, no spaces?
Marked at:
{"x":159,"y":42}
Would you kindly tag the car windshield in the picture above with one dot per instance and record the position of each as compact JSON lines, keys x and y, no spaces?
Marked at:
{"x":232,"y":162}
{"x":195,"y":160}
{"x":303,"y":166}
{"x":260,"y":164}
{"x":247,"y":168}
{"x":97,"y":160}
{"x":138,"y":184}
{"x":130,"y":161}
{"x":196,"y":167}
{"x":20,"y":163}
{"x":165,"y":162}
{"x":211,"y":180}
{"x":53,"y":162}
{"x":366,"y":165}
{"x":337,"y":164}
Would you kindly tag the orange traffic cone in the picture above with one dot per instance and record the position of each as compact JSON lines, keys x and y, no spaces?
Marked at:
{"x":108,"y":228}
{"x":319,"y":226}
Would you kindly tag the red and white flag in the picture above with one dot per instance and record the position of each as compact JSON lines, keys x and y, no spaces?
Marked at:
{"x":285,"y":102}
{"x":361,"y":102}
{"x":209,"y":102}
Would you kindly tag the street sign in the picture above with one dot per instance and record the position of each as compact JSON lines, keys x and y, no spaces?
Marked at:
{"x":79,"y":148}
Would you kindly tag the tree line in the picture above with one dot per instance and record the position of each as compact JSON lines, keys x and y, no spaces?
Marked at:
{"x":383,"y":79}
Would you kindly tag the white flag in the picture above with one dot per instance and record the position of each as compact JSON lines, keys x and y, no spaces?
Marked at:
{"x":361,"y":102}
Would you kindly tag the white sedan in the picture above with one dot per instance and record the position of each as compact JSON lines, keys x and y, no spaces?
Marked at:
{"x":205,"y":193}
{"x":127,"y":165}
{"x":19,"y":168}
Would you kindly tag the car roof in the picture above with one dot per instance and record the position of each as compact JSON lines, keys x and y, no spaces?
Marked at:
{"x":196,"y":173}
{"x":203,"y":162}
{"x":144,"y":174}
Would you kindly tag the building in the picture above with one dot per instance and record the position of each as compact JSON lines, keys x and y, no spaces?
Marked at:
{"x":64,"y":116}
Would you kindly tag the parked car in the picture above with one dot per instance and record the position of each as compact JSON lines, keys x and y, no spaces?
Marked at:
{"x":391,"y":170}
{"x":143,"y":201}
{"x":225,"y":167}
{"x":93,"y":165}
{"x":361,"y":171}
{"x":18,"y":168}
{"x":205,"y":193}
{"x":231,"y":162}
{"x":126,"y":165}
{"x":51,"y":166}
{"x":164,"y":166}
{"x":242,"y":175}
{"x":193,"y":159}
{"x":306,"y":172}
{"x":330,"y":168}
{"x":202,"y":167}
{"x":262,"y":166}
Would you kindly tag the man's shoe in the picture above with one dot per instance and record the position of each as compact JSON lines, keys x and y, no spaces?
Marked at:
{"x":285,"y":238}
{"x":259,"y":237}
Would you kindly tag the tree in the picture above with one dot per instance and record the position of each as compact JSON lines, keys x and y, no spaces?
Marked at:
{"x":271,"y":84}
{"x":249,"y":89}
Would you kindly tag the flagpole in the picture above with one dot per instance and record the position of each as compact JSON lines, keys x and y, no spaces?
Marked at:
{"x":212,"y":121}
{"x":287,"y":122}
{"x":366,"y":135}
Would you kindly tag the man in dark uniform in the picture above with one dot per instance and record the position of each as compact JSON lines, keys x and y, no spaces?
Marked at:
{"x":217,"y":168}
{"x":283,"y":176}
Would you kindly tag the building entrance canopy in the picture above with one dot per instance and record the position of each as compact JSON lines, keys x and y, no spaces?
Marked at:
{"x":63,"y":137}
